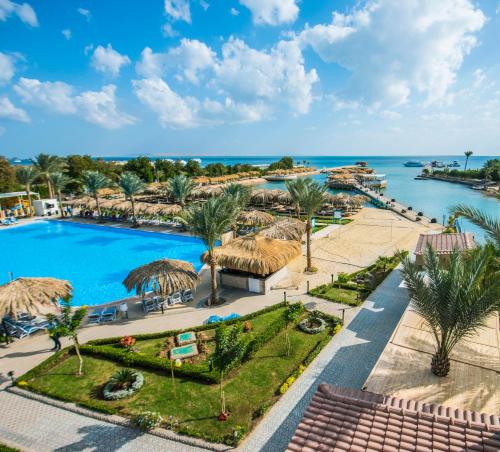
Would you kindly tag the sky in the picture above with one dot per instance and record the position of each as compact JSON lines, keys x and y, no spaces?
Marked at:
{"x":249,"y":77}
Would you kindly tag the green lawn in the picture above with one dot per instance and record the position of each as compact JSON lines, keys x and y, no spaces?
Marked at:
{"x":195,"y":405}
{"x":4,"y":448}
{"x":338,"y":295}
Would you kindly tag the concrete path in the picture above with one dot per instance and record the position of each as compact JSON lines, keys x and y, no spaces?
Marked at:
{"x":30,"y":425}
{"x":346,"y":361}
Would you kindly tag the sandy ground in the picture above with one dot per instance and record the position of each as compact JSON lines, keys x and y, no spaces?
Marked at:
{"x":374,"y":232}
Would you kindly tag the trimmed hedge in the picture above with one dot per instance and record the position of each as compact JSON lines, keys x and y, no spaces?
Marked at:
{"x":169,"y":333}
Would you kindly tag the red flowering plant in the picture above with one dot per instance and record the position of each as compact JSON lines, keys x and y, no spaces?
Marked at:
{"x":127,"y":342}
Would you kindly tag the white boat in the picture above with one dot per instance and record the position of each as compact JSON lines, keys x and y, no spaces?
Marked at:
{"x":437,"y":164}
{"x":453,"y":164}
{"x":280,"y":177}
{"x":478,"y":187}
{"x":413,"y":163}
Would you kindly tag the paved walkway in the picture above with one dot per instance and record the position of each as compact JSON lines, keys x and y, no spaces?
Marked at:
{"x":346,"y":361}
{"x":55,"y":429}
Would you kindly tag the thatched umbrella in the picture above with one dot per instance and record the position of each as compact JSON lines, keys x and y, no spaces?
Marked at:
{"x":32,"y":294}
{"x":287,"y":229}
{"x":256,"y":218}
{"x":107,"y":191}
{"x":255,"y":254}
{"x":163,"y":276}
{"x":122,"y":206}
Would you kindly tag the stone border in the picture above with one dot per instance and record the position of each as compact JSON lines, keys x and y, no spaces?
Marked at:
{"x":117,"y":420}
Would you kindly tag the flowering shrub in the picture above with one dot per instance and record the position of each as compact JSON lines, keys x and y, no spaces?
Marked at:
{"x":127,"y":341}
{"x":148,"y":420}
{"x":290,"y":381}
{"x":284,"y":388}
{"x":247,"y":326}
{"x":301,"y":369}
{"x":123,"y":384}
{"x":22,"y":383}
{"x":337,"y":328}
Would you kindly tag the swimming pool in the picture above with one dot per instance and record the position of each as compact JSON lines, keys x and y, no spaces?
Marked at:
{"x":95,"y":259}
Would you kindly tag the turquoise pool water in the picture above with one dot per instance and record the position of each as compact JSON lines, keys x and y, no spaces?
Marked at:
{"x":95,"y":259}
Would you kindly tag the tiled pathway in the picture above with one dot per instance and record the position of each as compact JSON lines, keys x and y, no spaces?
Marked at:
{"x":346,"y":361}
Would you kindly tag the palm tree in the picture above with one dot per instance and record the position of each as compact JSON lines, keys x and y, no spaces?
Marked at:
{"x":46,"y":165}
{"x":93,"y":181}
{"x":131,"y":185}
{"x":180,"y":187}
{"x":209,"y":221}
{"x":467,"y":155}
{"x":489,"y":224}
{"x":241,"y":193}
{"x":294,"y":187}
{"x":453,"y":299}
{"x":26,"y":175}
{"x":59,"y":182}
{"x":309,"y":196}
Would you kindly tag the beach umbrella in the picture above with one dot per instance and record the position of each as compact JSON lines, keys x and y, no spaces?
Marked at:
{"x":163,"y":276}
{"x":256,"y":218}
{"x":122,"y":206}
{"x":287,"y":229}
{"x":107,"y":191}
{"x":255,"y":254}
{"x":32,"y":294}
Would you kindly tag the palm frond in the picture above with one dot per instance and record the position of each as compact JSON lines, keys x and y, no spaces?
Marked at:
{"x":488,"y":223}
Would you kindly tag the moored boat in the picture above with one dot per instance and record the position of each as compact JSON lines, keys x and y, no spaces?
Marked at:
{"x":413,"y":163}
{"x":280,"y":177}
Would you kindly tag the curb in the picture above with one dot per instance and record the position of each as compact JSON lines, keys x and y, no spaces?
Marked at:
{"x":117,"y":420}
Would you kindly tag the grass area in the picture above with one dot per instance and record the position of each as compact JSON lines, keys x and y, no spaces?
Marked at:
{"x":193,"y":405}
{"x":351,"y":297}
{"x":4,"y":448}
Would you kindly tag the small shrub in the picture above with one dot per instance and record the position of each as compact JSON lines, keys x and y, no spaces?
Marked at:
{"x":148,"y":420}
{"x":301,"y":369}
{"x":337,"y":328}
{"x":123,"y":383}
{"x":290,"y":381}
{"x":127,"y":342}
{"x":247,"y":326}
{"x":283,"y":388}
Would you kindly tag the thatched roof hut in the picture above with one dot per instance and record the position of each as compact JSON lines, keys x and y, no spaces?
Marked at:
{"x":159,"y":209}
{"x":256,"y":218}
{"x":287,"y":229}
{"x":163,"y":276}
{"x":256,"y":254}
{"x":32,"y":294}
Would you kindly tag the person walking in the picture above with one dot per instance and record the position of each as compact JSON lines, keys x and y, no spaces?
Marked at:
{"x":54,"y":334}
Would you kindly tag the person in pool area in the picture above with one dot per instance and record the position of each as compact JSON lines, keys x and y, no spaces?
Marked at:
{"x":53,"y":330}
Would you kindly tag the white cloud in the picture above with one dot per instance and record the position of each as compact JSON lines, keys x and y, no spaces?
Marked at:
{"x":88,"y":48}
{"x":9,"y":111}
{"x":169,"y":31}
{"x":66,"y":33}
{"x":85,"y":13}
{"x":389,"y":114}
{"x":204,"y":4}
{"x":441,"y":117}
{"x":272,"y":12}
{"x":396,"y":49}
{"x":178,"y":10}
{"x":108,"y":60}
{"x":234,"y":12}
{"x":479,"y":78}
{"x":55,"y":96}
{"x":189,"y":59}
{"x":7,"y":68}
{"x":97,"y":107}
{"x":24,"y":11}
{"x":172,"y":109}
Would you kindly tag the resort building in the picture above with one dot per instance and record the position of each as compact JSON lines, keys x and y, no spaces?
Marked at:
{"x":351,"y":420}
{"x":15,"y":204}
{"x":443,"y":244}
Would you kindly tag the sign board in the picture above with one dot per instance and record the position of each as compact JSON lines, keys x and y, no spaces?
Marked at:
{"x":337,"y":214}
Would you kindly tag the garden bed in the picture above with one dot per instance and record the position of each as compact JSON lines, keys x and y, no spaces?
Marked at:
{"x":192,"y":409}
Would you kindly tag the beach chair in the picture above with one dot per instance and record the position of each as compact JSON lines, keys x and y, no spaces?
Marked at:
{"x":175,"y":298}
{"x":23,"y":328}
{"x":12,"y":329}
{"x":95,"y":315}
{"x":187,"y":295}
{"x":109,"y":314}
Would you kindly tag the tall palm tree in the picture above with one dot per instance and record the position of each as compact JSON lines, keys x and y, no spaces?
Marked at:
{"x":26,"y":175}
{"x":209,"y":221}
{"x":453,"y":299}
{"x":180,"y":187}
{"x":59,"y":182}
{"x":46,"y":165}
{"x":93,"y":181}
{"x":241,"y":193}
{"x":294,"y":187}
{"x":131,"y":185}
{"x":489,"y":224}
{"x":309,"y":196}
{"x":467,"y":155}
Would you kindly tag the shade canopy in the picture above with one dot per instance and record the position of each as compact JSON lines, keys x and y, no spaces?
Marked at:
{"x":163,"y":276}
{"x":32,"y":294}
{"x":159,"y":209}
{"x":256,"y":218}
{"x":287,"y":229}
{"x":255,"y":254}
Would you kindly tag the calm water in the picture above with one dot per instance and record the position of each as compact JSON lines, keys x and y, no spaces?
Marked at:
{"x":95,"y":259}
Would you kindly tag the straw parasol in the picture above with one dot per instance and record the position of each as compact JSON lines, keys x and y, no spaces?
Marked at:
{"x":256,"y":218}
{"x":288,"y":229}
{"x":160,"y":209}
{"x":164,"y":276}
{"x":255,"y":254}
{"x":122,"y":206}
{"x":32,"y":294}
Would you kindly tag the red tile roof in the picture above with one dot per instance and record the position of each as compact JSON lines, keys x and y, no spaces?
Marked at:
{"x":341,"y":419}
{"x":445,"y":243}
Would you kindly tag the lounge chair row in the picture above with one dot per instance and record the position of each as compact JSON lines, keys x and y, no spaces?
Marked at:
{"x":24,"y":325}
{"x":103,"y":315}
{"x":9,"y":221}
{"x":155,"y":303}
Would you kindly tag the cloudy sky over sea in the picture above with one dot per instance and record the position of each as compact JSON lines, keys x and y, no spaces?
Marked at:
{"x":249,"y":77}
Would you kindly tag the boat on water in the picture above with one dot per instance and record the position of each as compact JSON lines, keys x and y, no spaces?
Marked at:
{"x":413,"y":163}
{"x":280,"y":177}
{"x":453,"y":164}
{"x":437,"y":164}
{"x":362,"y":164}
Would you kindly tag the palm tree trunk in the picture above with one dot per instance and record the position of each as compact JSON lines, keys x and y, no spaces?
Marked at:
{"x":59,"y":198}
{"x":308,"y":245}
{"x":214,"y":296}
{"x":49,"y":186}
{"x":466,"y":161}
{"x":80,"y":359}
{"x":28,"y":191}
{"x":134,"y":221}
{"x":440,"y":364}
{"x":98,"y":206}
